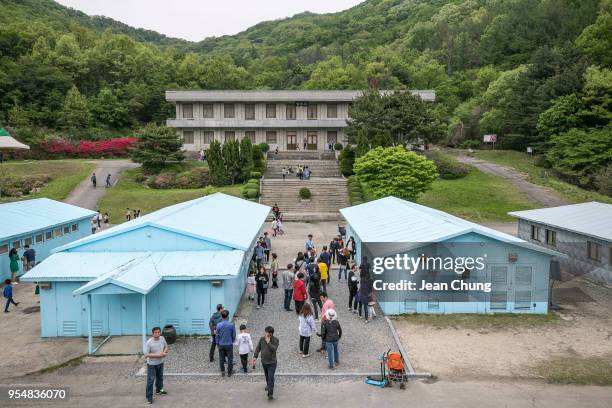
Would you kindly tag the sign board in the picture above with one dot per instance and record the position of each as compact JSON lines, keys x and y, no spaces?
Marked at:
{"x":490,"y":138}
{"x":529,"y":149}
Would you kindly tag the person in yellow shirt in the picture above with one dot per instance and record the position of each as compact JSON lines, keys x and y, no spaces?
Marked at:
{"x":323,"y":272}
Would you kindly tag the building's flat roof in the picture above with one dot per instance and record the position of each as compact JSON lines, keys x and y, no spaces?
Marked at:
{"x":218,"y":218}
{"x":22,"y":217}
{"x":277,"y":96}
{"x":392,"y":219}
{"x":593,"y":219}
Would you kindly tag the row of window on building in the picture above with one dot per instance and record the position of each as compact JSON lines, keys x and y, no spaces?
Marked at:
{"x":593,"y":249}
{"x":271,"y":137}
{"x":229,"y":111}
{"x":39,"y":238}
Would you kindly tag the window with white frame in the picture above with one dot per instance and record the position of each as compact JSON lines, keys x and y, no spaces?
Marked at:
{"x":312,"y":111}
{"x":4,"y":248}
{"x":48,"y":235}
{"x":551,"y":237}
{"x":39,"y":238}
{"x":75,"y":227}
{"x":535,"y":233}
{"x":66,"y":229}
{"x":230,"y":136}
{"x":27,"y":241}
{"x":290,"y":111}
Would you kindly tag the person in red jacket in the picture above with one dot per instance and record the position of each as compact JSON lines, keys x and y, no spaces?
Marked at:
{"x":299,"y":292}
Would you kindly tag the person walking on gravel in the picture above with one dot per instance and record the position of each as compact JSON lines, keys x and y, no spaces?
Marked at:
{"x":314,"y":290}
{"x":93,"y":179}
{"x":352,"y":287}
{"x":262,"y":281}
{"x":108,"y":181}
{"x":288,"y":278}
{"x":226,"y":336}
{"x":156,"y":349}
{"x":299,"y":292}
{"x":306,"y":328}
{"x":215,"y":319}
{"x":331,"y":333}
{"x":267,"y":346}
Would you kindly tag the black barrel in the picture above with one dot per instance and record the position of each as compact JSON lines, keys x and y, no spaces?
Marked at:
{"x":169,"y":333}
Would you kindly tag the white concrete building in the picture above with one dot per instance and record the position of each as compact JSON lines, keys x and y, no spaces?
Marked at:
{"x":289,"y":120}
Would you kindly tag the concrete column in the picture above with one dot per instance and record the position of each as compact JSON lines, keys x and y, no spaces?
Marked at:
{"x":144,"y":322}
{"x":89,"y":322}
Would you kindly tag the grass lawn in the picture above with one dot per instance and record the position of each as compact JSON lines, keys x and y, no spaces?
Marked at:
{"x":128,"y":193}
{"x":478,"y":197}
{"x":65,"y":175}
{"x":575,"y":369}
{"x":479,"y":321}
{"x":541,"y":176}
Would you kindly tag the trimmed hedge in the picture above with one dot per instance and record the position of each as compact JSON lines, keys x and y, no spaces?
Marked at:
{"x":338,"y":146}
{"x":255,"y":175}
{"x":305,"y":193}
{"x":264,"y":147}
{"x":252,"y":193}
{"x":448,"y":167}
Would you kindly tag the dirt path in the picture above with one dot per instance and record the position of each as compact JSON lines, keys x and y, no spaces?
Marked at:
{"x":535,"y":193}
{"x":84,"y":195}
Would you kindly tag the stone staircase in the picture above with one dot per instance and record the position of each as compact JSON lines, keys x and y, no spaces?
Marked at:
{"x":328,"y":187}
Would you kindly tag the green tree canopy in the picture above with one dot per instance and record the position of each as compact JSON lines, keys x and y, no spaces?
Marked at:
{"x":157,"y":145}
{"x":395,"y":171}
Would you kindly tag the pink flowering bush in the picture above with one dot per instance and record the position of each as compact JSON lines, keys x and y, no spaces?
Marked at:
{"x":119,"y":147}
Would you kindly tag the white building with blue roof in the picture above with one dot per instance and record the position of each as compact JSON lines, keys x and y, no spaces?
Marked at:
{"x":172,"y":266}
{"x":41,"y":223}
{"x":517,"y":271}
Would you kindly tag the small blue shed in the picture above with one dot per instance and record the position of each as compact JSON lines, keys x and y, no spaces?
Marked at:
{"x":517,"y":271}
{"x":41,"y":223}
{"x":172,"y":266}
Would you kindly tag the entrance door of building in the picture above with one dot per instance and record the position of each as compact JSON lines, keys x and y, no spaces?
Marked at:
{"x":501,"y":285}
{"x":311,"y":141}
{"x":291,"y":141}
{"x":332,"y":139}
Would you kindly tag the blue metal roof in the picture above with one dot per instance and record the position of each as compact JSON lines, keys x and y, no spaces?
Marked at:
{"x":139,"y":271}
{"x":218,"y":218}
{"x":22,"y":217}
{"x":392,"y":219}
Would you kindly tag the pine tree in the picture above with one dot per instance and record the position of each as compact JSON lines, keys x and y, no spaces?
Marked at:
{"x":231,"y":157}
{"x":246,"y":158}
{"x":157,"y":145}
{"x":75,"y":113}
{"x":216,"y":164}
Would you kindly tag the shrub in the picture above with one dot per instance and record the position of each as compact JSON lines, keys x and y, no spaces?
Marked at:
{"x":305,"y":193}
{"x":603,"y":181}
{"x":164,"y":180}
{"x":251,"y":193}
{"x":140,"y":178}
{"x":199,"y":177}
{"x":259,"y":164}
{"x":15,"y":186}
{"x":357,"y":202}
{"x":118,"y":147}
{"x":264,"y":147}
{"x":355,"y":187}
{"x":338,"y":146}
{"x":255,"y":175}
{"x":448,"y":167}
{"x":540,"y":161}
{"x":209,"y":190}
{"x":347,"y":159}
{"x":470,"y":144}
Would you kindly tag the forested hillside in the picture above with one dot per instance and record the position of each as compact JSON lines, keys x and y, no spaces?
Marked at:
{"x":536,"y":72}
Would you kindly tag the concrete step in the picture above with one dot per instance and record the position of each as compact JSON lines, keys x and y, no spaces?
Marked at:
{"x":301,"y":155}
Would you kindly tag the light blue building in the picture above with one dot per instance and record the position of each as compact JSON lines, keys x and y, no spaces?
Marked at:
{"x":172,"y":266}
{"x":518,"y":271}
{"x":43,"y":224}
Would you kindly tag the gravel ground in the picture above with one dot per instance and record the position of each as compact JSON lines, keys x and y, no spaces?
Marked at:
{"x":360,"y":345}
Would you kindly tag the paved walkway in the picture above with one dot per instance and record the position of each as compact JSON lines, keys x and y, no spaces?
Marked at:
{"x":535,"y":192}
{"x":109,"y":381}
{"x":84,"y":195}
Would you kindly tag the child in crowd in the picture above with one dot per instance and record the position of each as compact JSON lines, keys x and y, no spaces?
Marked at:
{"x":251,"y":285}
{"x":372,"y":305}
{"x":274,"y":268}
{"x":8,"y":295}
{"x":245,"y":346}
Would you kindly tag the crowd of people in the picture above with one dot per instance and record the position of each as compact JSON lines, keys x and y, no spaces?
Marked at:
{"x":302,"y":172}
{"x":305,"y":282}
